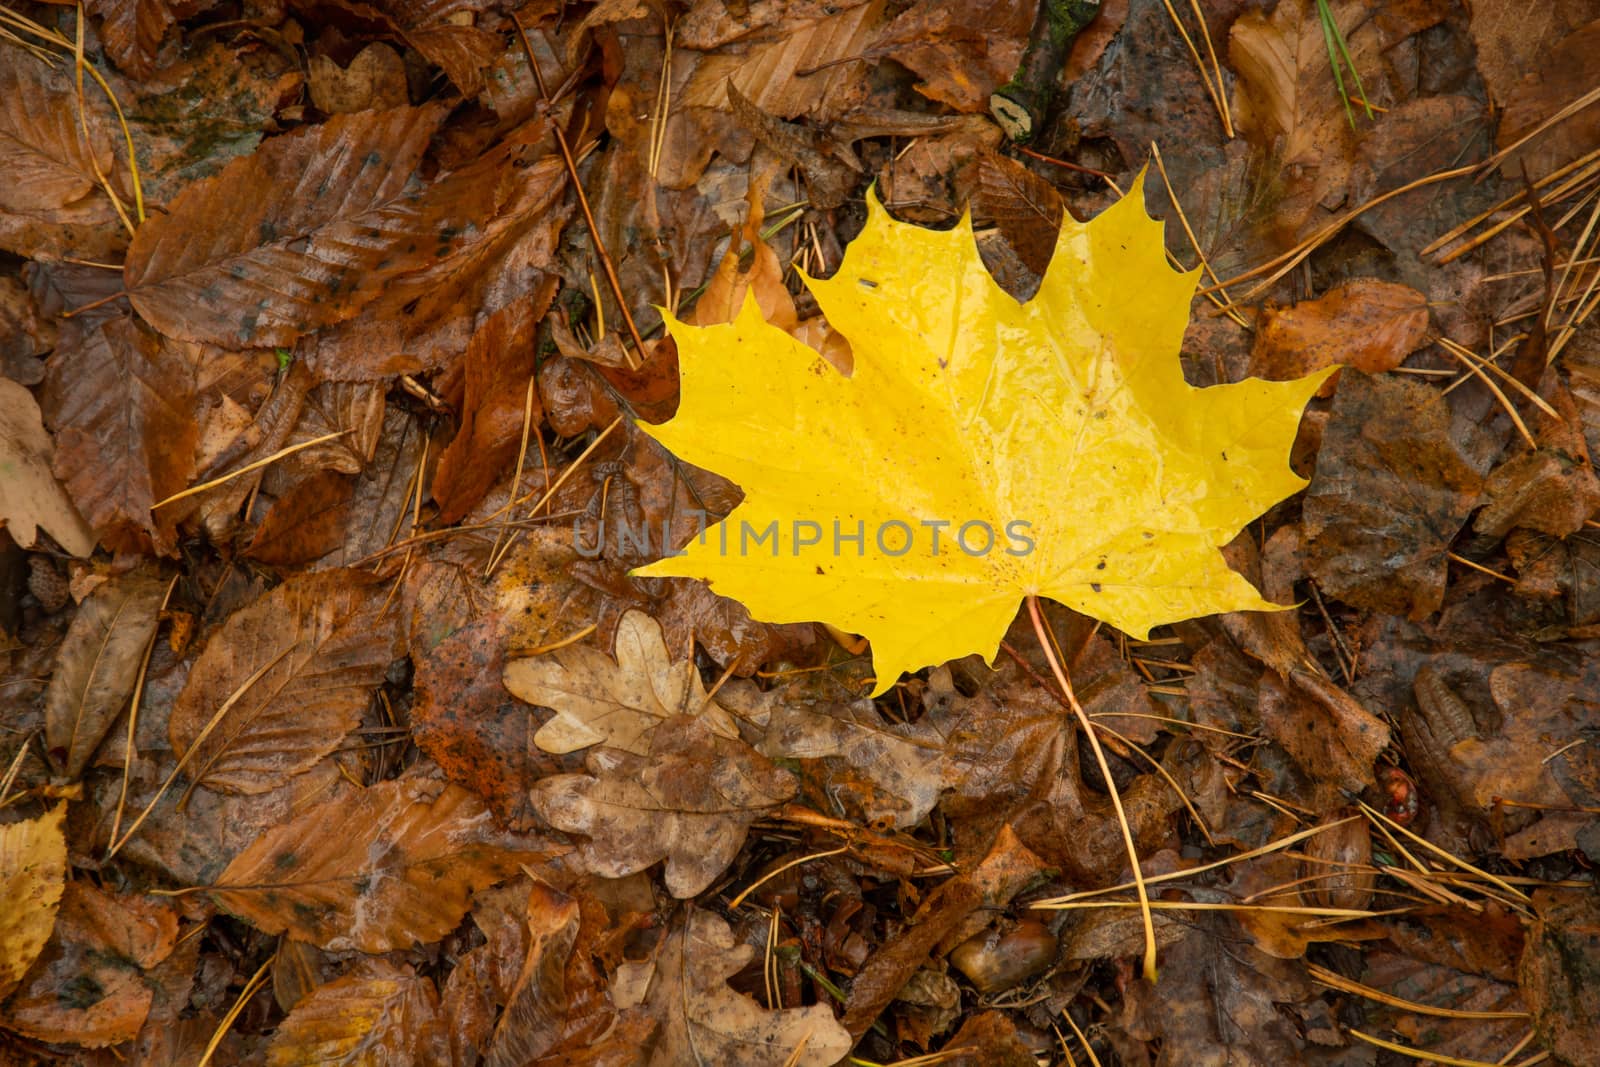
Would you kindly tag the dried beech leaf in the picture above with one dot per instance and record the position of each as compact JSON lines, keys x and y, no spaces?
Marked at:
{"x":294,"y":671}
{"x":298,"y":236}
{"x":389,"y":1018}
{"x":97,"y":666}
{"x":685,"y":986}
{"x":1369,"y":325}
{"x":304,"y":524}
{"x":92,"y":985}
{"x":689,"y":802}
{"x":122,"y":402}
{"x":499,"y":375}
{"x":134,"y":29}
{"x":30,"y":497}
{"x":33,"y":869}
{"x":383,"y":869}
{"x":601,"y":701}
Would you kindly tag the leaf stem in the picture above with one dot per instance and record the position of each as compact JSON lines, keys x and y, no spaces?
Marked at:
{"x":1111,"y":785}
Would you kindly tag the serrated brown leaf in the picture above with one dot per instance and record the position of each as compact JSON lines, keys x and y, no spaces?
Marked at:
{"x":298,"y":236}
{"x":304,"y":524}
{"x":962,"y":51}
{"x":381,"y":1015}
{"x":704,"y":1021}
{"x":617,"y":702}
{"x":97,"y":666}
{"x":30,"y":497}
{"x":689,"y":802}
{"x":294,"y":670}
{"x":499,"y":365}
{"x":50,"y":201}
{"x":1025,"y":207}
{"x":33,"y":869}
{"x":390,"y":866}
{"x":122,"y":403}
{"x":91,"y":985}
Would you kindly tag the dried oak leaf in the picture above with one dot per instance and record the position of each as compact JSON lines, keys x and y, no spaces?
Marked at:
{"x":1065,"y":419}
{"x":689,"y":802}
{"x":381,"y":1015}
{"x":300,"y":235}
{"x":91,"y":986}
{"x":33,"y":869}
{"x":601,"y":701}
{"x":702,"y":1020}
{"x":121,"y":400}
{"x":384,"y":869}
{"x":283,"y":681}
{"x":30,"y":497}
{"x":1393,"y":487}
{"x":97,"y":665}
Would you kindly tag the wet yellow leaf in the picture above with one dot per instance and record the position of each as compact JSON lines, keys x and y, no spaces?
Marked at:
{"x":983,"y":449}
{"x":33,"y":868}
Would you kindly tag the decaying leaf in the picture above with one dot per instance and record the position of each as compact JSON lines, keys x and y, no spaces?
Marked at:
{"x":703,"y":1021}
{"x":30,"y":497}
{"x":33,"y":868}
{"x":381,"y":1016}
{"x":298,"y":236}
{"x":1369,"y":325}
{"x":91,"y":986}
{"x":972,"y":416}
{"x":98,"y":665}
{"x":284,"y":680}
{"x":689,"y":802}
{"x":391,"y":866}
{"x":618,"y":702}
{"x":122,"y":403}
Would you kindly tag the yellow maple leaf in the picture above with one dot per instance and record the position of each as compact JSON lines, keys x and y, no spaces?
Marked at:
{"x":982,"y":449}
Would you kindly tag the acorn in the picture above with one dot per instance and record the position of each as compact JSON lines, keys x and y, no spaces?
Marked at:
{"x":995,"y":960}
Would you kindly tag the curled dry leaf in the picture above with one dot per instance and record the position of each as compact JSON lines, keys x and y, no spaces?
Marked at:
{"x":30,"y":497}
{"x":284,"y":680}
{"x":122,"y":403}
{"x":92,"y":986}
{"x":1369,"y":325}
{"x":97,"y":666}
{"x":703,"y":1021}
{"x":33,"y":868}
{"x":381,"y":1016}
{"x":598,"y":700}
{"x":381,"y":869}
{"x":689,"y":802}
{"x":300,"y":235}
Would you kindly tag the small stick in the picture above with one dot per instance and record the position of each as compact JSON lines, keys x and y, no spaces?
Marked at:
{"x":1021,"y":104}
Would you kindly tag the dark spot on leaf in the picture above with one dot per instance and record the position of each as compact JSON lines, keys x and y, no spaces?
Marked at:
{"x":1095,"y":586}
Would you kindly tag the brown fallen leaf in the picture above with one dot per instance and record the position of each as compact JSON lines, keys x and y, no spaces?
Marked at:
{"x":33,"y":869}
{"x":300,"y":235}
{"x":684,"y":985}
{"x":962,"y":51}
{"x":689,"y":802}
{"x":1554,"y":79}
{"x":50,"y":200}
{"x":381,"y":1014}
{"x":304,"y":524}
{"x":1556,"y":972}
{"x":494,"y":406}
{"x":601,"y":701}
{"x":30,"y":497}
{"x":1369,"y":325}
{"x":283,"y":681}
{"x":1025,"y":207}
{"x":121,"y":400}
{"x":97,"y":666}
{"x":390,"y":866}
{"x":91,"y":985}
{"x":1394,"y":484}
{"x":374,"y":79}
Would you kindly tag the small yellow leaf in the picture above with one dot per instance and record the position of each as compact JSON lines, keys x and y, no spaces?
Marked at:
{"x":33,"y":868}
{"x":982,"y":450}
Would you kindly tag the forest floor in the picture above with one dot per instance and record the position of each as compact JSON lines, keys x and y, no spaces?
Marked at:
{"x":338,"y":413}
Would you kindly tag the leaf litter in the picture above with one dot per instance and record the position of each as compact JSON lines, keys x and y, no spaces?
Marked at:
{"x":356,"y":706}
